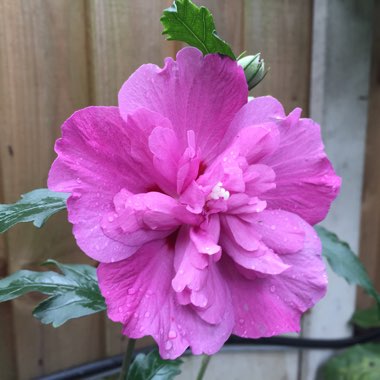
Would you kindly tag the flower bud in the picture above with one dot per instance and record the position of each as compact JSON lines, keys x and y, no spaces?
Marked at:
{"x":254,"y":69}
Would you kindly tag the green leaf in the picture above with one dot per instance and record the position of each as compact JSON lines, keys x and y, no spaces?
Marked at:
{"x":185,"y":21}
{"x":73,"y":294}
{"x":345,"y":263}
{"x":366,"y":319}
{"x":153,"y":367}
{"x":36,"y":206}
{"x":360,"y":362}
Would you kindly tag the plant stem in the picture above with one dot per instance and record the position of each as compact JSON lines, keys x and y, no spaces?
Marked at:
{"x":127,"y":359}
{"x":205,"y":360}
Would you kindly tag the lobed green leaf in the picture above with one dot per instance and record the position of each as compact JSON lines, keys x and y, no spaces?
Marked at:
{"x":345,"y":263}
{"x":366,"y":319}
{"x":356,"y":363}
{"x":73,"y":294}
{"x":153,"y":367}
{"x":36,"y":206}
{"x":184,"y":21}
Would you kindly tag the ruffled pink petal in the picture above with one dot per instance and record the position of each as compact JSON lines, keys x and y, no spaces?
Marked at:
{"x":239,"y":204}
{"x":240,"y":241}
{"x":194,"y":92}
{"x":176,"y":169}
{"x":260,"y":110}
{"x":140,"y":218}
{"x":93,"y":151}
{"x":259,"y":179}
{"x":257,"y":142}
{"x":197,"y":280}
{"x":273,"y":305}
{"x":279,"y":230}
{"x":94,"y":164}
{"x":138,"y":294}
{"x":306,"y":183}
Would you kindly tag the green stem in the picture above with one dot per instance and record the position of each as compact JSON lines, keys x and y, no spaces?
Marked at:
{"x":127,"y":359}
{"x":205,"y":360}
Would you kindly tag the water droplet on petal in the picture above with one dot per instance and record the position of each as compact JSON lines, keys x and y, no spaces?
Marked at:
{"x":131,"y":291}
{"x":79,"y":180}
{"x":168,"y":345}
{"x":172,"y":334}
{"x":273,"y":227}
{"x":110,"y":218}
{"x":147,"y":314}
{"x":272,"y":289}
{"x":241,"y":321}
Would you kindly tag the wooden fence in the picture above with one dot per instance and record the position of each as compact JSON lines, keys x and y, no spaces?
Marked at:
{"x":57,"y":56}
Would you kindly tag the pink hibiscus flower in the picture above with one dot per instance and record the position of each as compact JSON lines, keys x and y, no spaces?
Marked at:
{"x":198,"y":205}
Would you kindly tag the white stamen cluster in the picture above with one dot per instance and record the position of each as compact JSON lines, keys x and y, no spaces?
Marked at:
{"x":219,"y":192}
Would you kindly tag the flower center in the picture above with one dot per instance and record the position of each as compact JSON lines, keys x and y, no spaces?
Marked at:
{"x":219,"y":192}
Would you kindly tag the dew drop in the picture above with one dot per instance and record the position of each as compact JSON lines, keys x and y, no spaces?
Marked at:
{"x":120,"y":309}
{"x":241,"y":321}
{"x":272,"y":289}
{"x":172,"y":334}
{"x":147,"y":314}
{"x":273,"y":227}
{"x":131,"y":291}
{"x":110,"y":218}
{"x":79,"y":180}
{"x":181,"y":271}
{"x":168,"y":345}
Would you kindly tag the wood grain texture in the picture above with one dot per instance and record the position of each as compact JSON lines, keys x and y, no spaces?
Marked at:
{"x":229,"y":21}
{"x":281,"y":31}
{"x":43,"y":79}
{"x":370,"y":217}
{"x":123,"y":35}
{"x":7,"y":349}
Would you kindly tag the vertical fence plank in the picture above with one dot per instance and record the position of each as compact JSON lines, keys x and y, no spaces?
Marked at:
{"x":7,"y":352}
{"x":370,"y":223}
{"x":281,"y":31}
{"x":43,"y":79}
{"x":342,"y":30}
{"x":229,"y":21}
{"x":123,"y":36}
